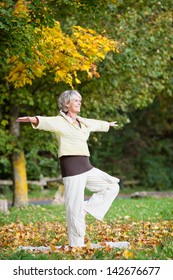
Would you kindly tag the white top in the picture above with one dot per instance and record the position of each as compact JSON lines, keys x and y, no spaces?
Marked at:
{"x":71,"y":138}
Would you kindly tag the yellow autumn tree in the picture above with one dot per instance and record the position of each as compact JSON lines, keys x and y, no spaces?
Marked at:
{"x":62,"y":54}
{"x":50,"y":51}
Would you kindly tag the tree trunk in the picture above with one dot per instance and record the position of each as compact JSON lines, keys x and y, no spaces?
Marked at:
{"x":20,"y":194}
{"x":20,"y":188}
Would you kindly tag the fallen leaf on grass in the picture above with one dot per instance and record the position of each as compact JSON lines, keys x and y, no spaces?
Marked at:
{"x":53,"y":248}
{"x":127,"y":254}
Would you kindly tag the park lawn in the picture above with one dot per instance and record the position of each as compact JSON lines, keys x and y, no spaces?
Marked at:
{"x":147,"y":223}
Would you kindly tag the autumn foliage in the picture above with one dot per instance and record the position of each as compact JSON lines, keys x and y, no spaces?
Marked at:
{"x":149,"y":232}
{"x":142,"y":236}
{"x":59,"y":53}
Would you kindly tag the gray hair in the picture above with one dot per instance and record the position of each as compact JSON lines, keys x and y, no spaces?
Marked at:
{"x":65,"y":98}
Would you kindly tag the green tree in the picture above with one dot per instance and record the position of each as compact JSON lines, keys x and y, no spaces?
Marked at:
{"x":135,"y":88}
{"x":38,"y":46}
{"x":130,"y":81}
{"x":18,"y":22}
{"x":138,"y":78}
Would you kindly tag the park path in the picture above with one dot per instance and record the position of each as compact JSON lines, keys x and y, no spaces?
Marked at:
{"x":136,"y":195}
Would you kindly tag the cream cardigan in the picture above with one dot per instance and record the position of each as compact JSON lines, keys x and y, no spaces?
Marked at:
{"x":71,"y":138}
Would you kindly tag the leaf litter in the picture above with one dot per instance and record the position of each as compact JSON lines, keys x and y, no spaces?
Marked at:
{"x":142,"y":235}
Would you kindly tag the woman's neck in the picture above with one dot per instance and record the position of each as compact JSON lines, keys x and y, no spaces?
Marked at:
{"x":72,"y":115}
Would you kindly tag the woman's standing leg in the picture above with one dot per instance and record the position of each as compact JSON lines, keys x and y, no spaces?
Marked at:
{"x":106,"y":189}
{"x":74,"y":204}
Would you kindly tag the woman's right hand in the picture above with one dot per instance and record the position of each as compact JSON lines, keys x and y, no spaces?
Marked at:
{"x":33,"y":120}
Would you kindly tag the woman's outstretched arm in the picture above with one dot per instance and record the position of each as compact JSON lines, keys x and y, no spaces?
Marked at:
{"x":33,"y":120}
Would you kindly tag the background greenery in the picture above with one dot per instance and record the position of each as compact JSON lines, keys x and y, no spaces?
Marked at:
{"x":135,"y":88}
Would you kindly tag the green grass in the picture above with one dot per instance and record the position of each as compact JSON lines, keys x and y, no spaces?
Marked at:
{"x":146,"y":223}
{"x":151,"y":209}
{"x":36,"y":194}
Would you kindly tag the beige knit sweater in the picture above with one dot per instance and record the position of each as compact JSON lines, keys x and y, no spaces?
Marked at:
{"x":71,"y":138}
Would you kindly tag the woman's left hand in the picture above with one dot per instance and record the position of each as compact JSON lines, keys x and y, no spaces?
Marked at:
{"x":113,"y":124}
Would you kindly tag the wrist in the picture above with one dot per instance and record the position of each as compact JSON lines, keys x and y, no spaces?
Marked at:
{"x":33,"y":120}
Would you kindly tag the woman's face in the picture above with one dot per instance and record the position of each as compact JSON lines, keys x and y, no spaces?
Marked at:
{"x":74,"y":105}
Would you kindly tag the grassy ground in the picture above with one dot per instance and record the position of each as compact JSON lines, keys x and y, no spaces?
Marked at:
{"x":146,"y":223}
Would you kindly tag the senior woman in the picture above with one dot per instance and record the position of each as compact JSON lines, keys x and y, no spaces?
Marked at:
{"x":72,"y":132}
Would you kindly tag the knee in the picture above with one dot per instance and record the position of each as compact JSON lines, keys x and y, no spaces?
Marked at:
{"x":115,"y":188}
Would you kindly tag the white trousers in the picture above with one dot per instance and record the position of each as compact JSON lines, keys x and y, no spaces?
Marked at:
{"x":105,"y":188}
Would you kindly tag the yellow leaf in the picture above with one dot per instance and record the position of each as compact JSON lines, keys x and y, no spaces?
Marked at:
{"x":77,"y":81}
{"x":52,"y":247}
{"x":127,"y":254}
{"x":88,"y":245}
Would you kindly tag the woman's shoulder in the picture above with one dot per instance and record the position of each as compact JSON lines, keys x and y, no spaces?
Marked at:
{"x":50,"y":118}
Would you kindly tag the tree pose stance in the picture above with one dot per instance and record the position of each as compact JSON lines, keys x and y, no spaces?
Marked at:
{"x":72,"y":132}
